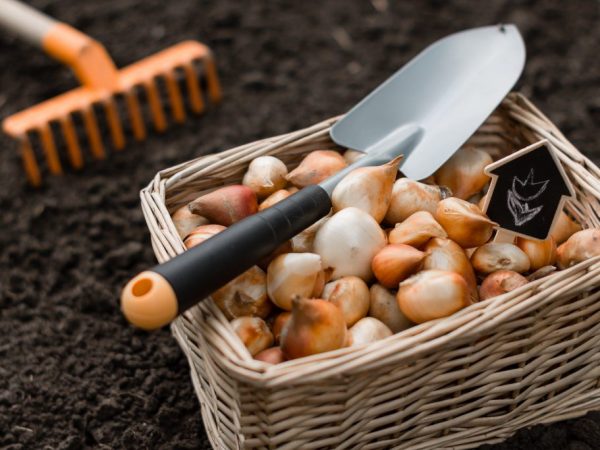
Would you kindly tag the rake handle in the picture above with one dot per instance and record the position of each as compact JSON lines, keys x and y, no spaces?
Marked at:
{"x":86,"y":56}
{"x":153,"y":298}
{"x":26,"y":22}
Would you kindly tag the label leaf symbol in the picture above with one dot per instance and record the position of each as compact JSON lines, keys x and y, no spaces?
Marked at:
{"x":517,"y":203}
{"x":521,"y":212}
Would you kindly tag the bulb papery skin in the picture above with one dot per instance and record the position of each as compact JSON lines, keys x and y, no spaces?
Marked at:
{"x":272,"y":355}
{"x":292,"y":275}
{"x":540,"y":253}
{"x":564,"y":228}
{"x":275,"y":197}
{"x":464,"y":222}
{"x":432,"y":294}
{"x":316,"y":167}
{"x":226,"y":205}
{"x":445,"y":254}
{"x":316,"y":326}
{"x":254,"y":333}
{"x":500,"y":256}
{"x":580,"y":246}
{"x":501,"y":282}
{"x":185,"y":221}
{"x":368,"y":330}
{"x":201,"y":234}
{"x":409,"y":196}
{"x":417,"y":230}
{"x":280,"y":322}
{"x":464,"y":172}
{"x":384,"y":307}
{"x":368,"y":189}
{"x":351,"y":295}
{"x":347,"y":243}
{"x":265,"y":175}
{"x":395,"y":262}
{"x":245,"y":295}
{"x":303,"y":241}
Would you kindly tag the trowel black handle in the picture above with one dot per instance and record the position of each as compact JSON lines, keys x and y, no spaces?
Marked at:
{"x":156,"y":296}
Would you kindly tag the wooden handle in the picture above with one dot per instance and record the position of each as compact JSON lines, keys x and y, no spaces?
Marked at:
{"x":26,"y":22}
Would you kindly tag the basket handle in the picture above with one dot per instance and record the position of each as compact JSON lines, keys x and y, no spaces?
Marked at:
{"x":155,"y":297}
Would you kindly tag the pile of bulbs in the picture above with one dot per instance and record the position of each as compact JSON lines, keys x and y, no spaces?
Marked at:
{"x":392,"y":253}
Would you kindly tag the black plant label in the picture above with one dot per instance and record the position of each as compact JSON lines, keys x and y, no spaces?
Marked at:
{"x":527,"y":191}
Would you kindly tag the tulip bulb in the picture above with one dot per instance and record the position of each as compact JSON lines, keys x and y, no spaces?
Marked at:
{"x":500,"y":256}
{"x":272,"y":355}
{"x":351,"y":156}
{"x":254,"y":333}
{"x":316,"y":167}
{"x":303,"y":241}
{"x":540,"y":253}
{"x":432,"y":294}
{"x":464,"y":222}
{"x":351,"y":295}
{"x":316,"y":326}
{"x":368,"y":189}
{"x":368,"y":330}
{"x":564,"y":228}
{"x":245,"y":295}
{"x":580,"y":246}
{"x":185,"y":221}
{"x":348,"y":241}
{"x":501,"y":282}
{"x":384,"y":307}
{"x":227,"y":205}
{"x":275,"y":197}
{"x":280,"y":321}
{"x":463,"y":173}
{"x":445,"y":254}
{"x":416,"y":230}
{"x":394,"y":263}
{"x":202,"y":233}
{"x":294,"y":275}
{"x":265,"y":175}
{"x":409,"y":196}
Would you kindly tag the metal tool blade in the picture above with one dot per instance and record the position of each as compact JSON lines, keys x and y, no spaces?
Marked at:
{"x":431,"y":106}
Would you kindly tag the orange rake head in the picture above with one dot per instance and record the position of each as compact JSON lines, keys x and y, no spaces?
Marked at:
{"x":186,"y":70}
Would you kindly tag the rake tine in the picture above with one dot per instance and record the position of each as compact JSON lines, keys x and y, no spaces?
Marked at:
{"x":29,"y":162}
{"x":114,"y":124}
{"x":193,"y":87}
{"x":49,"y":147}
{"x":68,"y":130}
{"x":214,"y":87}
{"x":175,"y":97}
{"x":135,"y":115}
{"x":158,"y":114}
{"x":91,"y":127}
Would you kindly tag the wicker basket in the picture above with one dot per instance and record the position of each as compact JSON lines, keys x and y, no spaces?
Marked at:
{"x":527,"y":357}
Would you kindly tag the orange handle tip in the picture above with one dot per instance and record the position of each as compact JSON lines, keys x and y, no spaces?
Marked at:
{"x":148,"y":301}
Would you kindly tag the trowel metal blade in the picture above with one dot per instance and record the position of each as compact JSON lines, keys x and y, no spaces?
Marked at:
{"x":447,"y":92}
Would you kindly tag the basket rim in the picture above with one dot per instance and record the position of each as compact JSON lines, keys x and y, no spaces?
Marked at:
{"x":400,"y":347}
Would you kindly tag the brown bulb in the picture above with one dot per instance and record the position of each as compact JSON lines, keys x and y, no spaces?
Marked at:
{"x":226,"y":205}
{"x":316,"y":326}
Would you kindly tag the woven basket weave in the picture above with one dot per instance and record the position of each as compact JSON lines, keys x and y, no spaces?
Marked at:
{"x":530,"y":356}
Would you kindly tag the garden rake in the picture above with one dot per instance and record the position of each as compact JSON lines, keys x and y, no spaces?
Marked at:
{"x":185,"y":68}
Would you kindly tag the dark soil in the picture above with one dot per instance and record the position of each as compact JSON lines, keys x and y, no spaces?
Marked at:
{"x":72,"y":372}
